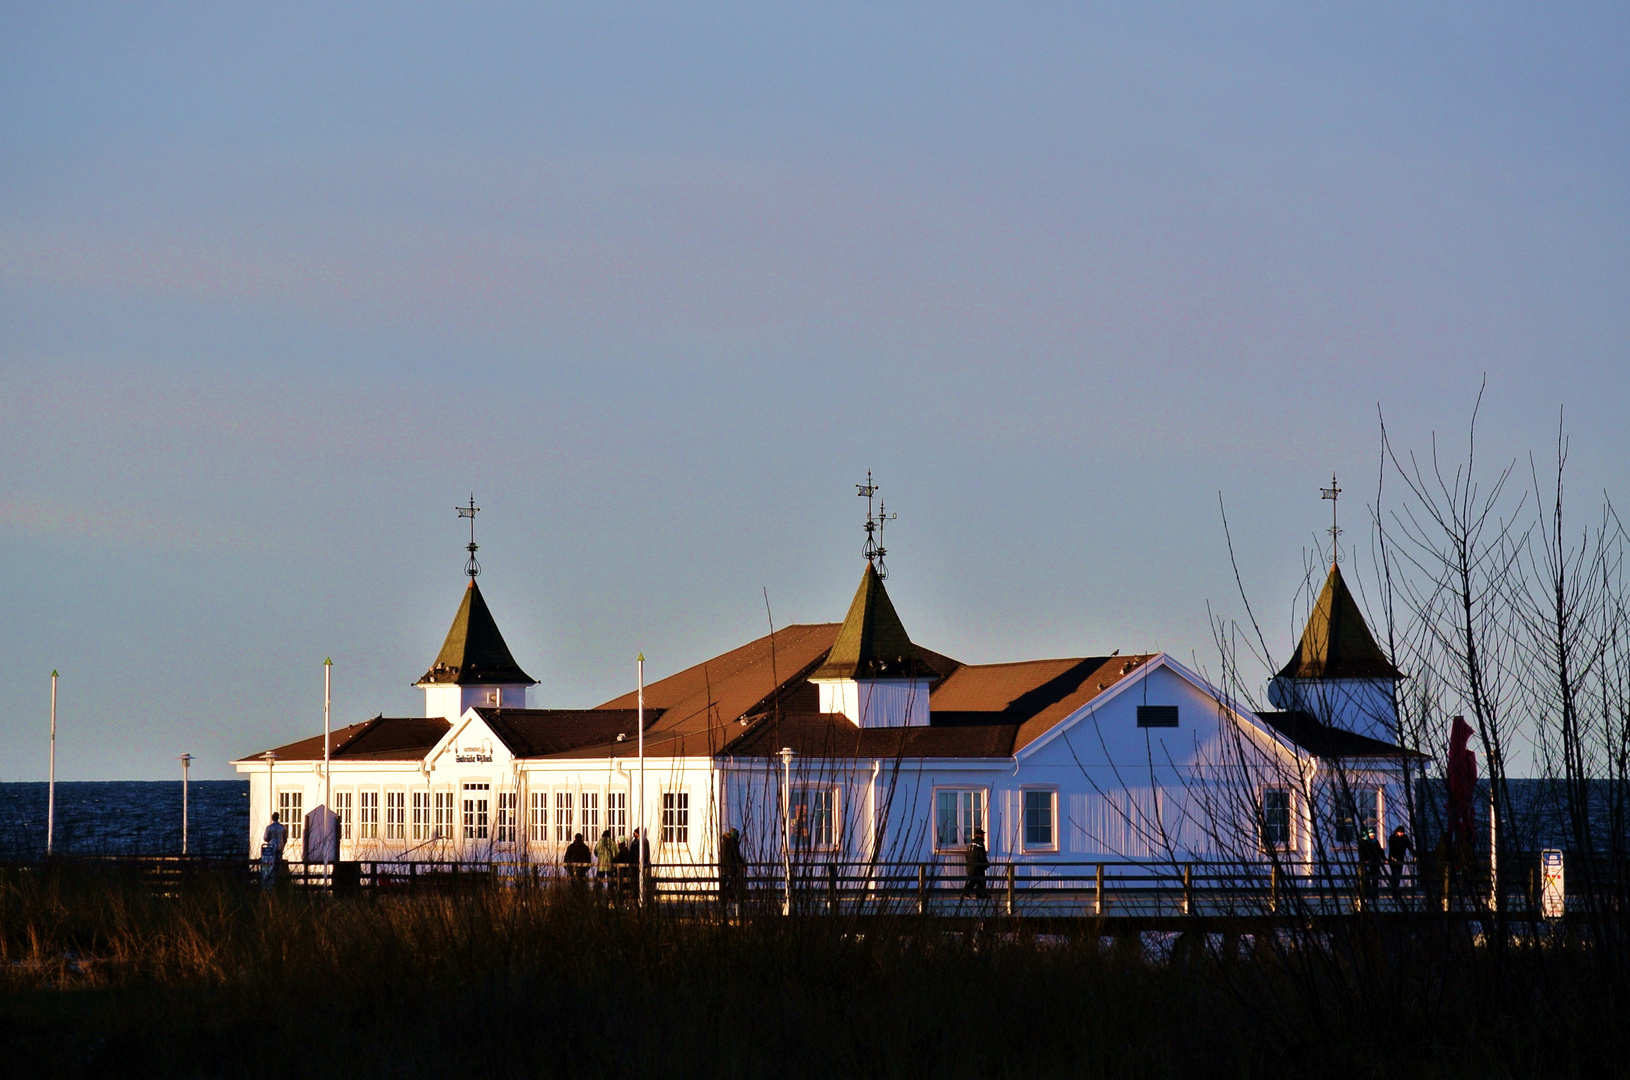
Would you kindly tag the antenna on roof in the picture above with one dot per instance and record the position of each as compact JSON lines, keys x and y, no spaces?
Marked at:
{"x":471,"y":567}
{"x":1333,"y":492}
{"x":874,"y":549}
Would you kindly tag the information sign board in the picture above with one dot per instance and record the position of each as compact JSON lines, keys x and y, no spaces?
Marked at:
{"x":1553,"y":897}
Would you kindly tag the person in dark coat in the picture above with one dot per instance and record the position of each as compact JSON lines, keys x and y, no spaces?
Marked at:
{"x":577,"y":858}
{"x":1399,"y":848}
{"x":622,"y":865}
{"x":731,"y":867}
{"x":1369,"y":860}
{"x":976,"y":860}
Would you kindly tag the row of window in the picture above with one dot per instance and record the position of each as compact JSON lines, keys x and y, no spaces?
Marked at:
{"x":1357,"y":813}
{"x":477,"y":813}
{"x":557,"y":816}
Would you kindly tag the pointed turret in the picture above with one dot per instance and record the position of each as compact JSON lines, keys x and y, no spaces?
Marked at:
{"x":474,"y":666}
{"x":872,"y":643}
{"x":1336,"y":643}
{"x":1338,"y":673}
{"x":872,"y":674}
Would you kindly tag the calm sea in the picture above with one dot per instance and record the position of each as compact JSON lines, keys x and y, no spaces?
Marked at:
{"x":126,"y":817}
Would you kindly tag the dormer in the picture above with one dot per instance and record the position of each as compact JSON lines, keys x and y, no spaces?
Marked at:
{"x":872,"y":674}
{"x":1338,"y":674}
{"x":474,"y":667}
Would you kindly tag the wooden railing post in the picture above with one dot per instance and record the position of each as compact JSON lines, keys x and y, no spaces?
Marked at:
{"x":922,"y":888}
{"x":1188,"y":888}
{"x":1012,"y":887}
{"x":1273,"y":888}
{"x":832,"y":887}
{"x":1098,"y":900}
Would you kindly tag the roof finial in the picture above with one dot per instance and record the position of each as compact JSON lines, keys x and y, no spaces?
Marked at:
{"x":874,"y":549}
{"x":1333,"y":492}
{"x":471,"y":567}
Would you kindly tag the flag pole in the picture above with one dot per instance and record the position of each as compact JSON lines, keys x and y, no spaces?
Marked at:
{"x":328,"y":669}
{"x":644,"y":841}
{"x":51,"y":784}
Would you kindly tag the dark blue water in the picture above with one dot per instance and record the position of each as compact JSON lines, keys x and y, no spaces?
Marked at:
{"x":126,"y":817}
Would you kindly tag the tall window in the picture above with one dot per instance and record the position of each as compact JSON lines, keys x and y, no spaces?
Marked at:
{"x":617,"y":813}
{"x":812,"y":817}
{"x":395,"y":815}
{"x":538,"y":822}
{"x":342,"y":808}
{"x":563,"y":817}
{"x":290,"y":808}
{"x":444,"y":815}
{"x":506,"y":817}
{"x":1275,"y":818}
{"x":676,"y":817}
{"x":476,"y":811}
{"x":1355,"y":813}
{"x":957,"y":813}
{"x":588,"y":812}
{"x":421,"y":816}
{"x":368,"y":815}
{"x":1039,"y":818}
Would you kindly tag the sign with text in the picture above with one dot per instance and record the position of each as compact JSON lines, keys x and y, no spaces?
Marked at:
{"x":1553,"y":897}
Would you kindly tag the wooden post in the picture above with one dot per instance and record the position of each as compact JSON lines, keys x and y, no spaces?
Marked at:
{"x":1188,"y":888}
{"x":832,"y":887}
{"x":922,"y":888}
{"x":1099,"y":896}
{"x":1273,"y":888}
{"x":1012,"y":884}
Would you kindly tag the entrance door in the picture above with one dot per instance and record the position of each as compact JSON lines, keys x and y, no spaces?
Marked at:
{"x":476,"y":810}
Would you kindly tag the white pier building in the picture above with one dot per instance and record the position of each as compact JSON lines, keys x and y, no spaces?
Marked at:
{"x":860,"y":744}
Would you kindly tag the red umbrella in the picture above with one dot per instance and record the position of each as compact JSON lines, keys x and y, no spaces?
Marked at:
{"x":1462,"y":780}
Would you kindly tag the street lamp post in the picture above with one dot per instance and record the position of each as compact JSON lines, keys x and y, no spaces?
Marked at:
{"x":186,"y":764}
{"x":786,"y":828}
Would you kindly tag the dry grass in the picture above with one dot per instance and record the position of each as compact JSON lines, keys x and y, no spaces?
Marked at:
{"x":100,"y":978}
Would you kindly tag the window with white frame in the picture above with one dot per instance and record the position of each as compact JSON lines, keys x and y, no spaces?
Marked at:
{"x":1040,"y":807}
{"x":476,"y":810}
{"x":443,"y":808}
{"x":291,"y":811}
{"x":395,"y":815}
{"x":617,"y":813}
{"x":342,"y":809}
{"x":538,"y":817}
{"x":421,"y":816}
{"x":505,"y":824}
{"x":563,"y":817}
{"x":676,"y":817}
{"x":812,"y":817}
{"x":1355,"y":813}
{"x":957,"y":813}
{"x":1275,"y":818}
{"x":368,"y":815}
{"x":588,"y":813}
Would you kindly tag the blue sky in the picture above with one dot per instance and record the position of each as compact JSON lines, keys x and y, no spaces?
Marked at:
{"x":280,"y":285}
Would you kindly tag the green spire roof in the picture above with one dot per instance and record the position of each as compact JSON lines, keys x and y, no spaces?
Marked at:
{"x":1336,"y":643}
{"x":872,"y":643}
{"x":474,"y":653}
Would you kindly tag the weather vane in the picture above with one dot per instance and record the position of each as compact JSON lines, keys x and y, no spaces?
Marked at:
{"x":874,"y":549}
{"x":471,"y":567}
{"x":1333,"y":492}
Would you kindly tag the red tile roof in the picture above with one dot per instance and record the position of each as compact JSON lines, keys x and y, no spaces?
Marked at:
{"x":384,"y":738}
